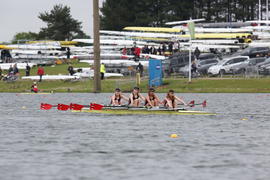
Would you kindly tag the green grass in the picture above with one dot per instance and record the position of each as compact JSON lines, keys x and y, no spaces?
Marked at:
{"x":179,"y":85}
{"x":203,"y":85}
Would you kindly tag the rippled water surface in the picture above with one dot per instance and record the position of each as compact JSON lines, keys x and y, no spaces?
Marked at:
{"x":45,"y":145}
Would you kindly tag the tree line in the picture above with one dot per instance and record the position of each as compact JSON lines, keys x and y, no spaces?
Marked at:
{"x":117,"y":14}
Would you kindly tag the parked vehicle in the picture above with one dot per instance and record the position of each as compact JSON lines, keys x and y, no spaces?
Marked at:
{"x":249,"y":66}
{"x":253,"y":52}
{"x":264,"y":70}
{"x":225,"y":66}
{"x":266,"y":62}
{"x":176,"y":61}
{"x":203,"y":66}
{"x":207,"y":56}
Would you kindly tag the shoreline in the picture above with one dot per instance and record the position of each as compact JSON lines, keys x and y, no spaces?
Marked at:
{"x":180,"y":85}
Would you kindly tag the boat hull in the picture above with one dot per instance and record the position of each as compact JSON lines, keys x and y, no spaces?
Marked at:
{"x":146,"y":112}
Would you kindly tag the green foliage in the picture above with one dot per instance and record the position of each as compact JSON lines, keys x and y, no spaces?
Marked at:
{"x":22,"y":36}
{"x":60,"y":25}
{"x":117,"y":14}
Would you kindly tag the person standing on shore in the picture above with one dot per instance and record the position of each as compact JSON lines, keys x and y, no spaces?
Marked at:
{"x":1,"y":72}
{"x":40,"y":72}
{"x":71,"y":70}
{"x":27,"y":70}
{"x":102,"y":71}
{"x":16,"y":70}
{"x":139,"y":69}
{"x":197,"y":52}
{"x":10,"y":70}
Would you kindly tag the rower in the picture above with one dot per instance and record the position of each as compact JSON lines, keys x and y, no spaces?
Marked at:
{"x":135,"y":97}
{"x":171,"y":100}
{"x":34,"y":88}
{"x":151,"y":99}
{"x":116,"y":99}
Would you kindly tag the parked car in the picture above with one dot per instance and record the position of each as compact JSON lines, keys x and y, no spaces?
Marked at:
{"x":264,"y":70}
{"x":203,"y":66}
{"x":250,"y":66}
{"x":176,"y":61}
{"x":207,"y":56}
{"x":253,"y":52}
{"x":225,"y":66}
{"x":267,"y":61}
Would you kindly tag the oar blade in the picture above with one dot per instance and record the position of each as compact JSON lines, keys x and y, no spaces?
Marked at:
{"x":204,"y":103}
{"x":192,"y":103}
{"x":63,"y":107}
{"x":76,"y":107}
{"x":44,"y":106}
{"x":94,"y":106}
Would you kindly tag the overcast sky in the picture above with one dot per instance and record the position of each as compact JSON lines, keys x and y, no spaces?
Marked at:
{"x":22,"y":15}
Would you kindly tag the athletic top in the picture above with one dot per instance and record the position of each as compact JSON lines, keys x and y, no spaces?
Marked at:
{"x":166,"y":102}
{"x":118,"y":99}
{"x":151,"y":98}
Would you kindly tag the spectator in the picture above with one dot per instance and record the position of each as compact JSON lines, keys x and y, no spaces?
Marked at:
{"x":40,"y":72}
{"x":1,"y":73}
{"x":153,"y":50}
{"x":124,"y":52}
{"x":193,"y":67}
{"x":159,"y":51}
{"x":71,"y":70}
{"x":139,"y":69}
{"x":27,"y":70}
{"x":137,"y":53}
{"x":197,"y":52}
{"x":163,"y":48}
{"x":10,"y":70}
{"x":15,"y":70}
{"x":68,"y":53}
{"x":171,"y":48}
{"x":102,"y":71}
{"x":145,"y":50}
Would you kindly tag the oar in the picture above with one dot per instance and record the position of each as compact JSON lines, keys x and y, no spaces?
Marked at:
{"x":204,"y":103}
{"x":45,"y":106}
{"x":61,"y":107}
{"x":192,"y":103}
{"x":77,"y":107}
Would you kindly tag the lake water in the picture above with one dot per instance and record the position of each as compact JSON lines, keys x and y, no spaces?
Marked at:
{"x":45,"y":145}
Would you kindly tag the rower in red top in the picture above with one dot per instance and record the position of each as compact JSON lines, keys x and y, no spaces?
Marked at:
{"x":34,"y":88}
{"x":151,"y":99}
{"x":135,"y":97}
{"x":116,"y":99}
{"x":171,"y":100}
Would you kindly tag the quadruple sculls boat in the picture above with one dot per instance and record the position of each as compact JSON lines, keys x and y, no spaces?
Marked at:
{"x":128,"y":110}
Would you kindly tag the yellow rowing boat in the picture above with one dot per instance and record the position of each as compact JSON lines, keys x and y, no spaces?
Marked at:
{"x":144,"y":112}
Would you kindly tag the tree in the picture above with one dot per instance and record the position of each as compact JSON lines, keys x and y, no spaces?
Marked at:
{"x":117,"y":14}
{"x":22,"y":36}
{"x":60,"y":25}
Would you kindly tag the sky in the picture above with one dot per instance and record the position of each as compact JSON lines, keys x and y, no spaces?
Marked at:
{"x":22,"y":15}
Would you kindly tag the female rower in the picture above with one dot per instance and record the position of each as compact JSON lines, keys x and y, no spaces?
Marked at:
{"x":151,"y":99}
{"x":116,"y":99}
{"x":171,"y":100}
{"x":135,"y":97}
